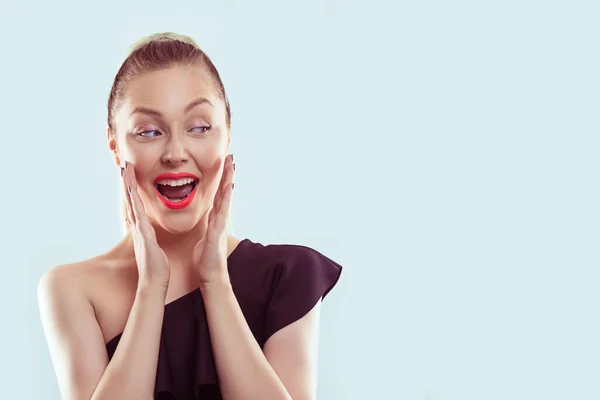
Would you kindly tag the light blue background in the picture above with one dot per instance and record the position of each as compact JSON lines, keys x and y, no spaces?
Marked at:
{"x":444,"y":152}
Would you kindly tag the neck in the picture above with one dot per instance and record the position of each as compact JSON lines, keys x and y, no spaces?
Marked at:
{"x":178,"y":247}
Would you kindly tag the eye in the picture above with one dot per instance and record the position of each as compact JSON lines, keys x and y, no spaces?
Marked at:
{"x":201,"y":129}
{"x":150,"y":133}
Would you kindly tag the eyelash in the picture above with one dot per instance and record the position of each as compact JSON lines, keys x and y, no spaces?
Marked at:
{"x":141,"y":133}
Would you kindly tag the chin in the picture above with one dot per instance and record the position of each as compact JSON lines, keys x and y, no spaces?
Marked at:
{"x":177,"y":217}
{"x":180,"y":223}
{"x":177,"y":228}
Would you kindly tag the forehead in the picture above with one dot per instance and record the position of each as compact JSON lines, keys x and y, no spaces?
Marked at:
{"x":169,"y":90}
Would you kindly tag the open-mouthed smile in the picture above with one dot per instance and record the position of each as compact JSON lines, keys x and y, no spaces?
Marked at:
{"x":176,"y":190}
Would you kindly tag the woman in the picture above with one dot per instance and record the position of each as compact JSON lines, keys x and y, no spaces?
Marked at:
{"x":179,"y":309}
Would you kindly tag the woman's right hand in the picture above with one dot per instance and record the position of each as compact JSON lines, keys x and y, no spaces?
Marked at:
{"x":152,"y":262}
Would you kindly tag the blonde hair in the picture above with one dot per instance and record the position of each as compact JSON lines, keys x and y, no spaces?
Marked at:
{"x":155,"y":52}
{"x":165,"y":36}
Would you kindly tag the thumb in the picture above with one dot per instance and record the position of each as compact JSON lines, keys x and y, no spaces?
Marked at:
{"x":200,"y":245}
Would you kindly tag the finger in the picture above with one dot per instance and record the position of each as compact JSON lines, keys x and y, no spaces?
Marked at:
{"x":218,"y":195}
{"x":211,"y":214}
{"x":219,"y":221}
{"x":139,"y":211}
{"x":221,"y":215}
{"x":223,"y":206}
{"x":128,"y":207}
{"x":137,"y":206}
{"x":226,"y":179}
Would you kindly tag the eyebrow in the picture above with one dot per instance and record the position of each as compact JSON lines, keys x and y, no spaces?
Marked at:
{"x":150,"y":111}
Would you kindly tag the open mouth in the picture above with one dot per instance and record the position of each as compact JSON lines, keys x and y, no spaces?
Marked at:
{"x":176,"y":190}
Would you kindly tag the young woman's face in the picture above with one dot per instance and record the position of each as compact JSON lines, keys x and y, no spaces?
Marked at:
{"x":173,"y":122}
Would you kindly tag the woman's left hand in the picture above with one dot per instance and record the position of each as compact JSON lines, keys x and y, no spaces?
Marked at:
{"x":210,"y":254}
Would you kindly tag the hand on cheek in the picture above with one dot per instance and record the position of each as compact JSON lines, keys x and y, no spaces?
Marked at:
{"x":210,"y":254}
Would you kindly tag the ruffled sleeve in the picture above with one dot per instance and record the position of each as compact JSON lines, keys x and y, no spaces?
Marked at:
{"x":300,"y":280}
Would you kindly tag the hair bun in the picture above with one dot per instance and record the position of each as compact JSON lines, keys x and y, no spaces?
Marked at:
{"x":162,"y":37}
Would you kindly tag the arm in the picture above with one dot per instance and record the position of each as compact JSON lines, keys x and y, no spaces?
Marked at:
{"x":77,"y":347}
{"x":284,"y":371}
{"x":131,"y":373}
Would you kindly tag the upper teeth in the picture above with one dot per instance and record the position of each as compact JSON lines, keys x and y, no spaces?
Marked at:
{"x":176,"y":182}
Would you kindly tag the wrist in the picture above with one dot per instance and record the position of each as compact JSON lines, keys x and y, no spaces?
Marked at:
{"x":151,"y":288}
{"x":219,"y":282}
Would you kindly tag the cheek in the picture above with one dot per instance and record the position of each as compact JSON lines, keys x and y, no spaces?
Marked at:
{"x":211,"y":169}
{"x":143,"y":159}
{"x":210,"y":166}
{"x":208,"y":156}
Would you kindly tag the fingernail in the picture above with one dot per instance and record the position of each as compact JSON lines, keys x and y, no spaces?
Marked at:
{"x":234,"y":166}
{"x":126,"y":164}
{"x":122,"y":171}
{"x":129,"y":189}
{"x":232,"y":186}
{"x":231,"y":157}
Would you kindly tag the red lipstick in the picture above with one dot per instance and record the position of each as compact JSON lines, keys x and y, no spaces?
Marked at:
{"x":176,"y":205}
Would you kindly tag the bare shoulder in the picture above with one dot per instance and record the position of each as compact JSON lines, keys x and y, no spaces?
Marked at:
{"x":74,"y":300}
{"x":89,"y":277}
{"x":102,"y":283}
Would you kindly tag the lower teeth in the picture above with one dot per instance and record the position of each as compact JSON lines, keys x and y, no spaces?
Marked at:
{"x":175,"y":200}
{"x":178,"y":200}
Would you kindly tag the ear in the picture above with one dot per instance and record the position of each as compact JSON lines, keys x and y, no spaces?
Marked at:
{"x":112,"y":145}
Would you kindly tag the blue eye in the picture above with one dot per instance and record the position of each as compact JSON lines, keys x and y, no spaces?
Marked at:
{"x":143,"y":133}
{"x":155,"y":133}
{"x":204,"y":129}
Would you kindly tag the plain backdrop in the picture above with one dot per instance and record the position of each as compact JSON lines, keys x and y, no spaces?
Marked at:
{"x":444,"y":152}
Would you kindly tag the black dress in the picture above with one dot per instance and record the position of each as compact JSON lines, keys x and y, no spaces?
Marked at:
{"x":275,"y":285}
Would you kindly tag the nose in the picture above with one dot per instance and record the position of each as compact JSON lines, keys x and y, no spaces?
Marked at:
{"x":176,"y":152}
